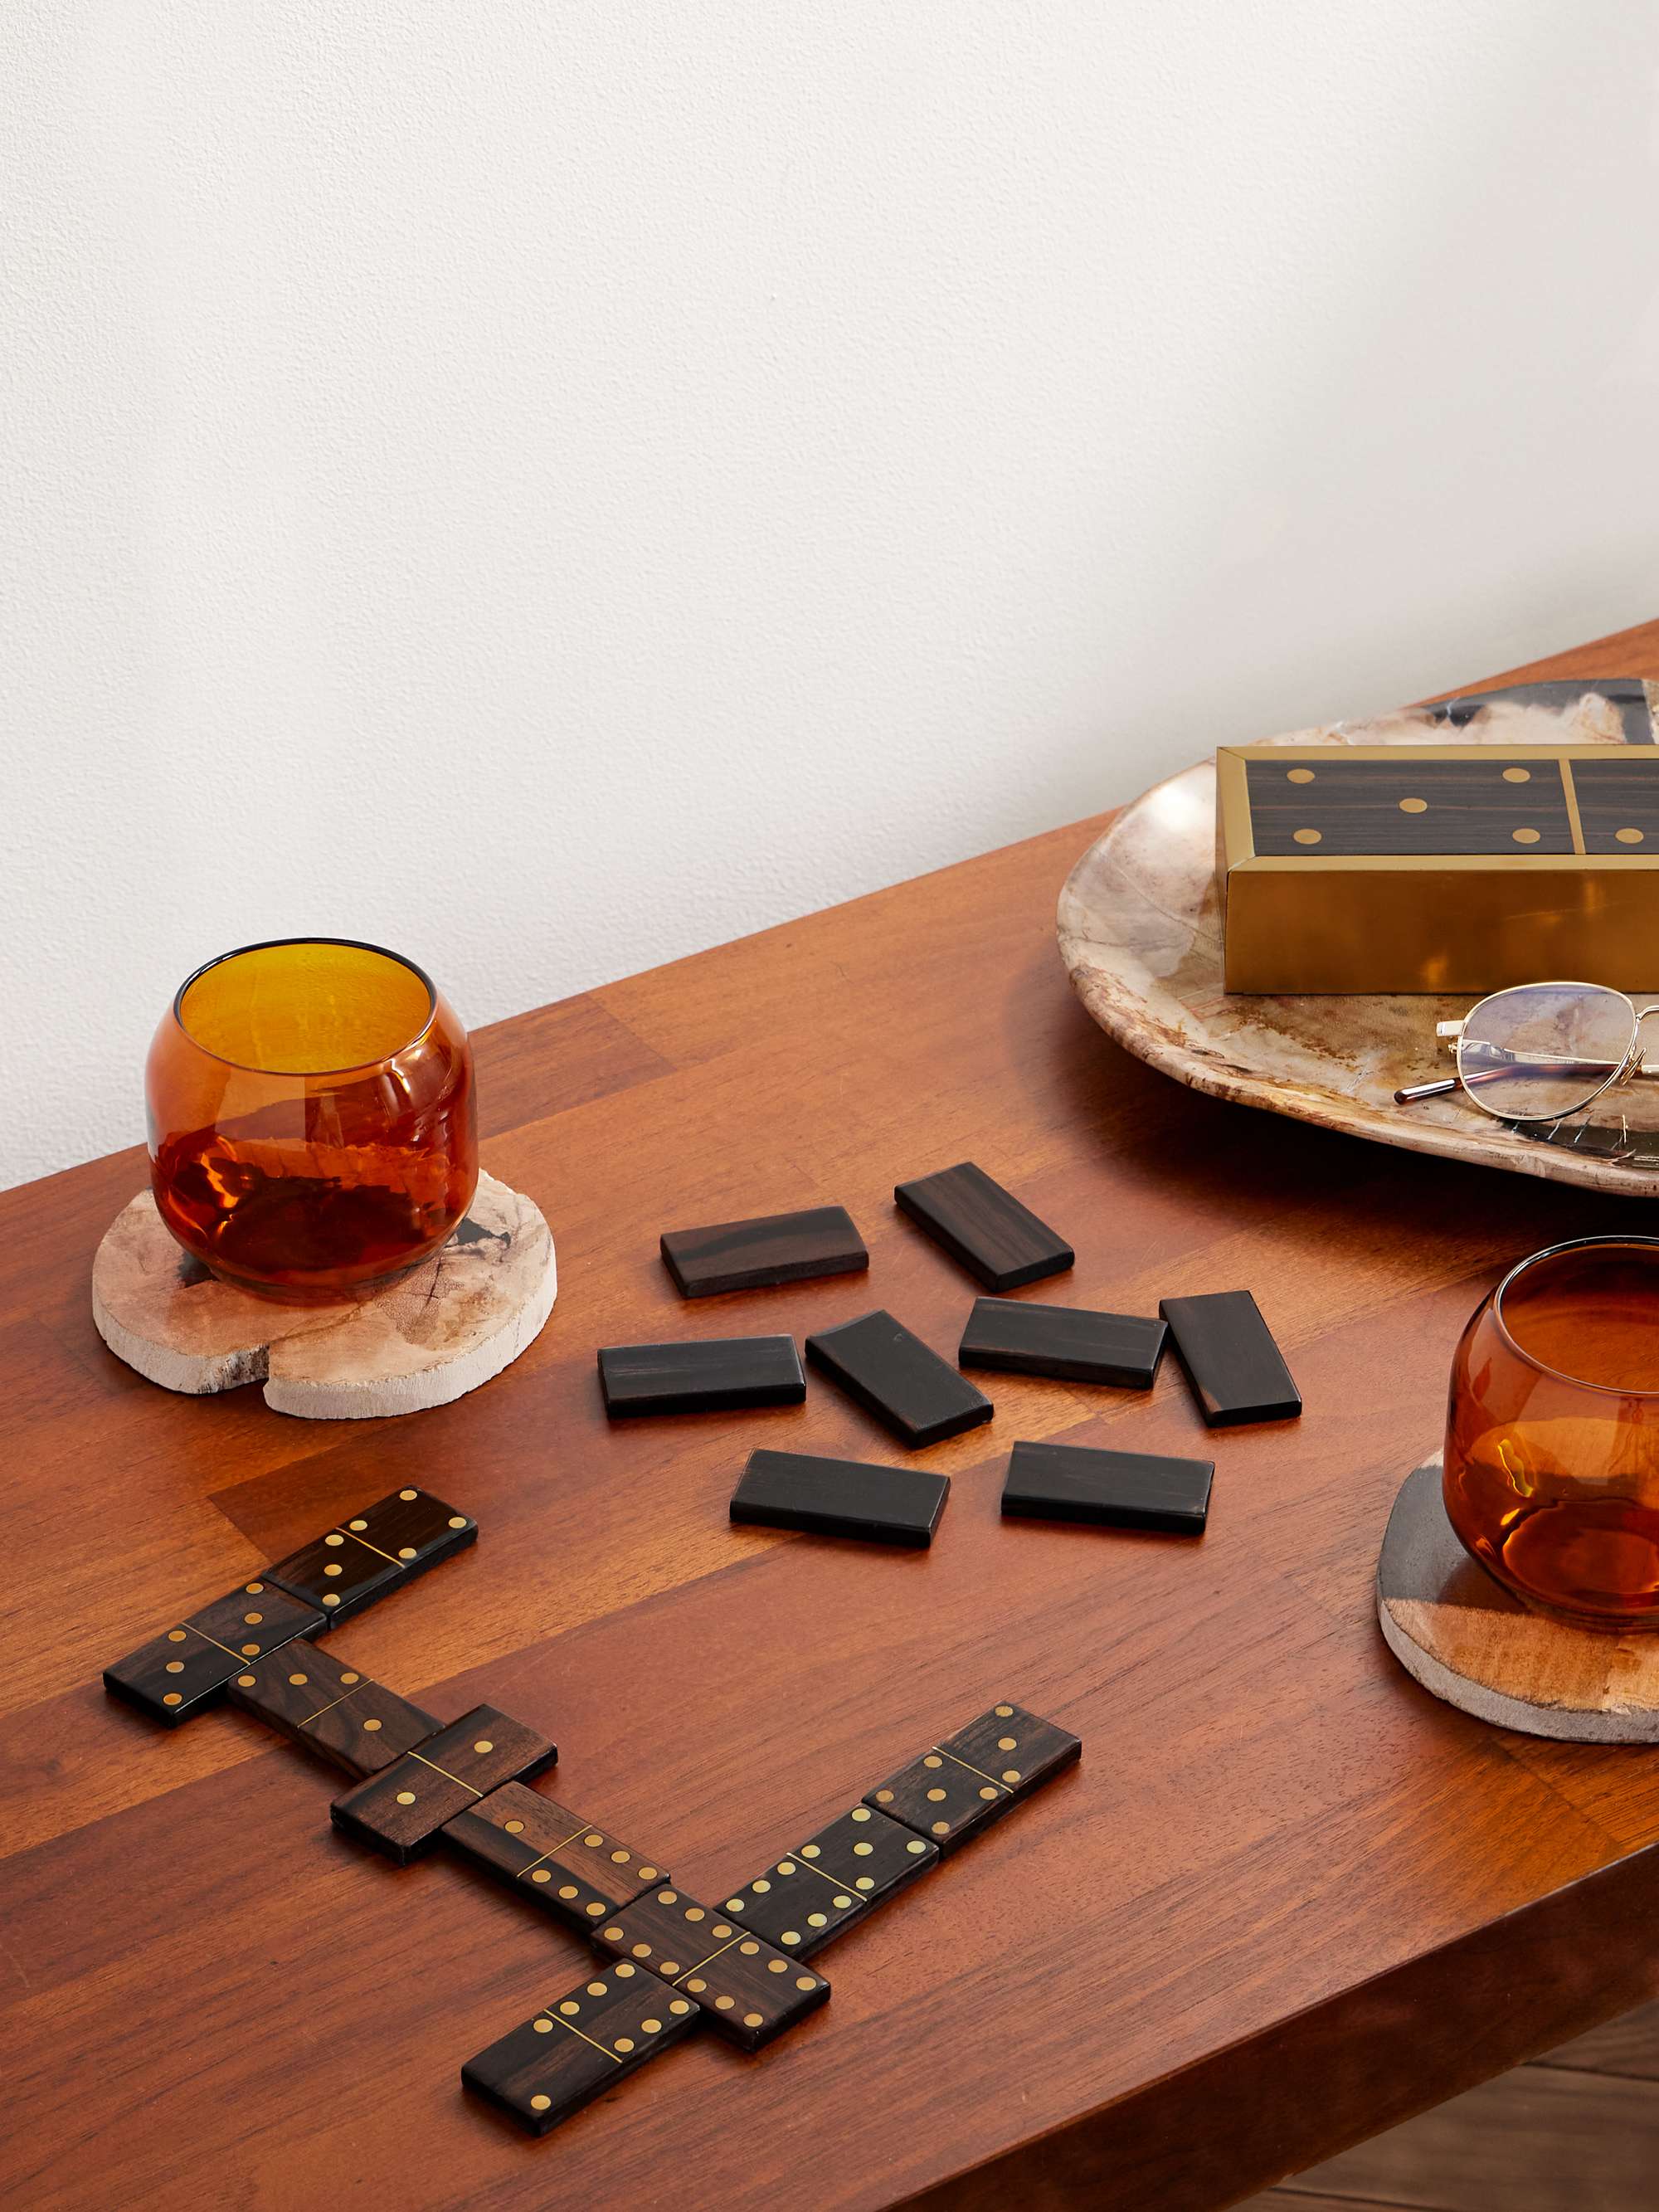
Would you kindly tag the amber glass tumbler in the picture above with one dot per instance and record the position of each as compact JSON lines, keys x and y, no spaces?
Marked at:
{"x":1553,"y":1432}
{"x":312,"y":1125}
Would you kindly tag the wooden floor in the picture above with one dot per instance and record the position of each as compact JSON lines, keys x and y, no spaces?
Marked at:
{"x":1578,"y":2131}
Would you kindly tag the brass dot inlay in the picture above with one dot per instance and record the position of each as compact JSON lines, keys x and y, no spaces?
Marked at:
{"x":407,"y":1495}
{"x":734,"y":1904}
{"x":641,"y":1950}
{"x":250,"y":1651}
{"x":790,"y":1936}
{"x":1413,"y":806}
{"x":540,"y":1874}
{"x":862,"y":1850}
{"x":514,"y":1827}
{"x":777,"y":1966}
{"x":671,"y":1967}
{"x":935,"y":1796}
{"x":457,"y":1520}
{"x":596,"y":1910}
{"x":175,"y":1635}
{"x":405,"y":1551}
{"x":786,"y":1866}
{"x":818,"y":1919}
{"x":663,"y":1896}
{"x":624,"y":2043}
{"x":679,"y":2006}
{"x":405,"y":1796}
{"x":613,"y":1934}
{"x":351,"y":1678}
{"x":652,"y":2027}
{"x":1005,"y":1712}
{"x":570,"y":2006}
{"x":1629,"y":836}
{"x":566,"y":1890}
{"x":1307,"y":837}
{"x":1524,"y":836}
{"x":624,"y":1972}
{"x":723,"y":2004}
{"x":883,"y":1796}
{"x":1298,"y":775}
{"x":619,"y":1858}
{"x":1011,"y":1774}
{"x":540,"y":2104}
{"x":595,"y":1988}
{"x":941,"y":1827}
{"x":172,"y":1698}
{"x":335,"y":1539}
{"x":696,"y":1986}
{"x":543,"y":2027}
{"x":865,"y":1882}
{"x":371,"y":1728}
{"x":753,"y":2020}
{"x":177,"y":1667}
{"x":722,"y":1930}
{"x":1007,"y":1743}
{"x":244,"y":1681}
{"x":649,"y":1873}
{"x":806,"y":1983}
{"x":989,"y":1790}
{"x":1517,"y":775}
{"x":482,"y":1745}
{"x":358,"y":1524}
{"x":331,"y":1597}
{"x":593,"y":1842}
{"x":917,"y":1846}
{"x":333,"y":1568}
{"x":750,"y":1950}
{"x":933,"y":1759}
{"x":763,"y":1888}
{"x":695,"y":1912}
{"x":859,"y":1812}
{"x":253,"y":1619}
{"x":298,"y":1679}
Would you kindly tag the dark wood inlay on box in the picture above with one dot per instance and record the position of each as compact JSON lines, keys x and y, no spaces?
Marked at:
{"x":176,"y":1675}
{"x":1116,"y":1490}
{"x":750,"y":1992}
{"x":984,"y":1227}
{"x":840,"y":1497}
{"x":1338,"y":807}
{"x":972,"y":1778}
{"x":773,"y":1247}
{"x":893,"y":1375}
{"x":579,"y":2046}
{"x":401,"y":1810}
{"x":1618,"y":801}
{"x":572,"y":1869}
{"x":1068,"y":1342}
{"x":1237,"y":1372}
{"x":314,"y":1698}
{"x":715,"y":1375}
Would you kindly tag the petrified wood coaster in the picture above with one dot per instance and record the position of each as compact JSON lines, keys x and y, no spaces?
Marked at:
{"x":1463,"y":1637}
{"x":434,"y":1335}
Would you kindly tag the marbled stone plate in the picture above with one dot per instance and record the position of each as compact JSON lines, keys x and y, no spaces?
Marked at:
{"x":1140,"y":932}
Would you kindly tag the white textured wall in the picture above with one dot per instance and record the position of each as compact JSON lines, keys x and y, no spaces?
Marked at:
{"x":550,"y":484}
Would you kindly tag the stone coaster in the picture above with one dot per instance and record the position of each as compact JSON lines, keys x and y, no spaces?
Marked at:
{"x":1463,"y":1637}
{"x":434,"y":1335}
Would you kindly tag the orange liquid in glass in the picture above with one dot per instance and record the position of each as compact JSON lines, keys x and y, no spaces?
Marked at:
{"x":312,"y":1120}
{"x":1552,"y":1439}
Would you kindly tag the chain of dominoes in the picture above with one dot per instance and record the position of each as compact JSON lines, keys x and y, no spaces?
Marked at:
{"x":672,"y":1963}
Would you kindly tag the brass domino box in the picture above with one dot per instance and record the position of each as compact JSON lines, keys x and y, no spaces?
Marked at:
{"x":1434,"y":868}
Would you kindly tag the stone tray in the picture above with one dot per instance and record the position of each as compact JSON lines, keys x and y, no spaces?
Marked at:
{"x":1140,"y":934}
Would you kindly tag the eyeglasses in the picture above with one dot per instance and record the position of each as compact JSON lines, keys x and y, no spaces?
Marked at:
{"x":1540,"y":1051}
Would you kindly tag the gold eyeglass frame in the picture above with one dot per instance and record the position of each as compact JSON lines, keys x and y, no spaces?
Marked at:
{"x":1634,"y":1062}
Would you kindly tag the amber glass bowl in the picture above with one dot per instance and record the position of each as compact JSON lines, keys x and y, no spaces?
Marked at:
{"x":313,"y":1128}
{"x":1553,"y":1432}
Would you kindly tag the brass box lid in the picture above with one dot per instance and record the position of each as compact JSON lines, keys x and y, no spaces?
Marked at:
{"x":1437,"y":867}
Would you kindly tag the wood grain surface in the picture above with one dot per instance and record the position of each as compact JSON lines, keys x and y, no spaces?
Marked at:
{"x":1286,"y":1900}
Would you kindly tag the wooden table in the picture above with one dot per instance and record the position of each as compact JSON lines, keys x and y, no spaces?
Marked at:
{"x":1287,"y":1899}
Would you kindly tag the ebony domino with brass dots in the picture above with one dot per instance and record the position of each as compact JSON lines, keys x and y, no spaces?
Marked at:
{"x":314,"y":1699}
{"x":972,"y":1778}
{"x":575,"y":2048}
{"x":568,"y":1865}
{"x":401,"y":1810}
{"x":814,"y":1892}
{"x":179,"y":1673}
{"x":374,"y":1552}
{"x":749,"y":1990}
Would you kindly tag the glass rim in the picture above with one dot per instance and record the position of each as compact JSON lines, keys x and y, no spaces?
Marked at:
{"x":1560,"y":1113}
{"x":1556,"y":1252}
{"x":305,"y":1074}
